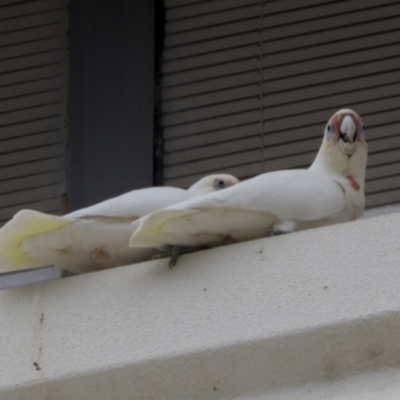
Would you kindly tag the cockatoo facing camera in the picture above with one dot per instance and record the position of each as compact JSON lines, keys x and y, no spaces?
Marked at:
{"x":329,"y":192}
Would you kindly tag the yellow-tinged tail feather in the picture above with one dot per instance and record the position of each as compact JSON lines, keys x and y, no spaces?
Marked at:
{"x":24,"y":224}
{"x":149,"y":227}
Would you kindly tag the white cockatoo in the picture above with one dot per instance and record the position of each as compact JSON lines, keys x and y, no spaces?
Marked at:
{"x":329,"y":192}
{"x":95,"y":237}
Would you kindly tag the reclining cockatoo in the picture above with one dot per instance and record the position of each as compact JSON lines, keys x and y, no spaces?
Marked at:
{"x":329,"y":192}
{"x":95,"y":237}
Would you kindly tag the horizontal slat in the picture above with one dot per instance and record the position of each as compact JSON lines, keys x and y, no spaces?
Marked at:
{"x":252,"y":103}
{"x":213,"y":85}
{"x":221,"y":136}
{"x":247,"y":11}
{"x":332,"y":62}
{"x":33,"y":181}
{"x":23,"y":156}
{"x":271,"y":47}
{"x":201,"y":8}
{"x":5,"y":3}
{"x":32,"y":194}
{"x":211,"y":47}
{"x":206,"y":152}
{"x":39,"y":46}
{"x":229,"y":121}
{"x":356,"y":99}
{"x":33,"y":100}
{"x":339,"y":13}
{"x":212,"y":72}
{"x":277,"y":124}
{"x":217,"y":6}
{"x":375,"y":127}
{"x":33,"y":167}
{"x":32,"y":21}
{"x":280,"y":156}
{"x":346,"y":48}
{"x":387,"y":197}
{"x":385,"y":157}
{"x":383,"y":184}
{"x":32,"y":74}
{"x":372,"y":71}
{"x":323,"y":77}
{"x":180,"y":3}
{"x":26,"y":142}
{"x":329,"y":102}
{"x":217,"y":97}
{"x":211,"y":33}
{"x":285,"y":123}
{"x":329,"y":89}
{"x":31,"y":7}
{"x":331,"y":22}
{"x":277,"y":7}
{"x":34,"y":113}
{"x":44,"y":124}
{"x":349,"y":11}
{"x":32,"y":34}
{"x":380,"y":171}
{"x":384,"y":143}
{"x":32,"y":97}
{"x":57,"y":82}
{"x":374,"y":22}
{"x":32,"y":61}
{"x":307,"y":72}
{"x":204,"y":60}
{"x":45,"y":205}
{"x":293,"y":43}
{"x":213,"y":164}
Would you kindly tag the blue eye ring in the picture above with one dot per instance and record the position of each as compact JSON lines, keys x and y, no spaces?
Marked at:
{"x":219,"y":184}
{"x":330,"y":130}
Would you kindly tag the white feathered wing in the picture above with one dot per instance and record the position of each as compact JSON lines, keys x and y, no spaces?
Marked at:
{"x":92,"y":238}
{"x":330,"y":191}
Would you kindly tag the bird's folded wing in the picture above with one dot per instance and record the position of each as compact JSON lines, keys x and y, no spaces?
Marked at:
{"x":292,"y":195}
{"x":134,"y":204}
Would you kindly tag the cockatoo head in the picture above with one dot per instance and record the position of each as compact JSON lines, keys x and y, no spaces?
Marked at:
{"x":344,"y":149}
{"x":345,"y":129}
{"x":211,"y":183}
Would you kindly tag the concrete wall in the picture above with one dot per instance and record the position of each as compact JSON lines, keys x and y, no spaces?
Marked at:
{"x":314,"y":314}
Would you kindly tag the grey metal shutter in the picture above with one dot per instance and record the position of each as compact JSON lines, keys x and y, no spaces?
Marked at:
{"x":249,"y":85}
{"x":32,"y":105}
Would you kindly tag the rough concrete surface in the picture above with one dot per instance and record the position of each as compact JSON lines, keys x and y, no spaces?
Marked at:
{"x":313,"y":314}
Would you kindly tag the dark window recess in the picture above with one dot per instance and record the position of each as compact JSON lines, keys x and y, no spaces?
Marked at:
{"x":111,"y":99}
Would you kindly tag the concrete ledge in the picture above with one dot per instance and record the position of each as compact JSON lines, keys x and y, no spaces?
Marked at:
{"x":314,"y":312}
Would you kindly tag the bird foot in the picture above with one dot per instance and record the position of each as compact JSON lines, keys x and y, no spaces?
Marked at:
{"x":175,"y":252}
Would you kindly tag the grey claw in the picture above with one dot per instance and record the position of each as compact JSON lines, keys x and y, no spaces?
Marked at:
{"x":175,"y":252}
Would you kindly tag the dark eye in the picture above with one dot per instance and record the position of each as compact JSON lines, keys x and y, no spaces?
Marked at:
{"x":330,"y":131}
{"x":219,"y":184}
{"x":362,"y":130}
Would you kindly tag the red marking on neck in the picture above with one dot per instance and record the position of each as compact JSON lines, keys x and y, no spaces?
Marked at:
{"x":353,"y":183}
